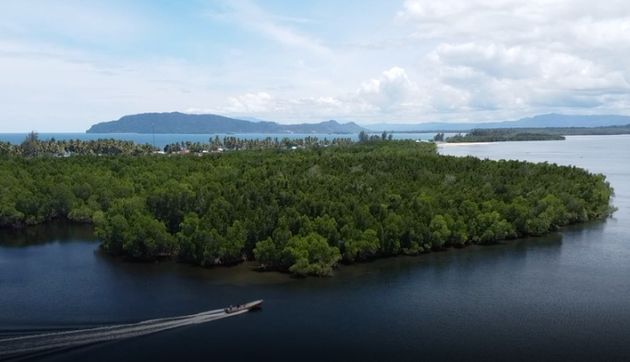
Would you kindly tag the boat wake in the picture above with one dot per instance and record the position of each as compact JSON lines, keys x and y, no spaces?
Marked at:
{"x":58,"y":340}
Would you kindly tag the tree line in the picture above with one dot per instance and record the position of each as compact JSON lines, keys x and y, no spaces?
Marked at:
{"x":499,"y":135}
{"x":231,"y":143}
{"x":33,"y":146}
{"x":302,"y":211}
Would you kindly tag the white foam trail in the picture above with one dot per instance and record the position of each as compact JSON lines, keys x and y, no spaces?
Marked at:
{"x":46,"y":341}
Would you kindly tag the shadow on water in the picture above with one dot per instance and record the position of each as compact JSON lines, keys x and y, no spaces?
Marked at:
{"x":245,"y":273}
{"x":60,"y":231}
{"x":395,"y":301}
{"x":242,"y":274}
{"x":391,"y":298}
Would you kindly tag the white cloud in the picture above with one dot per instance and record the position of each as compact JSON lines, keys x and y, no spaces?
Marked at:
{"x":251,"y":103}
{"x":483,"y":59}
{"x":393,"y":89}
{"x":391,"y":93}
{"x":527,"y":57}
{"x":67,"y":65}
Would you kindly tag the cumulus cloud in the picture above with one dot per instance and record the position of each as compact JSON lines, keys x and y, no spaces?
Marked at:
{"x":251,"y":103}
{"x":393,"y":89}
{"x":390,"y":93}
{"x":527,"y":56}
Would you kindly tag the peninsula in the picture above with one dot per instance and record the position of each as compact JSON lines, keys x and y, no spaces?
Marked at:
{"x":500,"y":135}
{"x":301,"y":209}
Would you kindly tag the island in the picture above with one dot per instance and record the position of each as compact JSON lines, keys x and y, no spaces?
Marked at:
{"x":499,"y":135}
{"x":530,"y":134}
{"x":302,"y":209}
{"x":183,"y":123}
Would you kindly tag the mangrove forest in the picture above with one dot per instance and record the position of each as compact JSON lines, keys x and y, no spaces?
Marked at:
{"x":299,"y":210}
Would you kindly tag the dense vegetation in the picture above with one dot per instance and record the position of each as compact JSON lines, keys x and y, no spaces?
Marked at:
{"x":33,"y":146}
{"x":499,"y":135}
{"x":303,"y":210}
{"x":231,"y":143}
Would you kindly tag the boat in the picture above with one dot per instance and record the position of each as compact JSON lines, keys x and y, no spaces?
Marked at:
{"x":257,"y":304}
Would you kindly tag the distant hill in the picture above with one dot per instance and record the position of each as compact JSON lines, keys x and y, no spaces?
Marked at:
{"x":253,"y":119}
{"x":541,"y":121}
{"x":176,"y":122}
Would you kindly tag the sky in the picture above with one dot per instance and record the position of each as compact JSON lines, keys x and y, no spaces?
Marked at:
{"x":65,"y":65}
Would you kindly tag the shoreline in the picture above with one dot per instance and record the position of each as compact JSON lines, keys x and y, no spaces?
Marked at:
{"x":456,"y":144}
{"x":246,"y":272}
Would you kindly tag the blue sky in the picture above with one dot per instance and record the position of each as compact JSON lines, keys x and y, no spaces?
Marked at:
{"x":67,"y":64}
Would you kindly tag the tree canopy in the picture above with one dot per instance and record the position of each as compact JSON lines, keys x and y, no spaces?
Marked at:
{"x":501,"y":135}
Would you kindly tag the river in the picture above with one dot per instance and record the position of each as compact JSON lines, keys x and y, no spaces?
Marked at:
{"x":565,"y":296}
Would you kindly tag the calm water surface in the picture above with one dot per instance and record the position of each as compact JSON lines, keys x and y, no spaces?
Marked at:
{"x":565,"y":296}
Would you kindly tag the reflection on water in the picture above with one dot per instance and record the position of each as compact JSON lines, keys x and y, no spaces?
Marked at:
{"x":40,"y":234}
{"x":246,"y":274}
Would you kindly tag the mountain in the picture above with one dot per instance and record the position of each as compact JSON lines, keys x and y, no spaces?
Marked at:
{"x":325,"y":127}
{"x":252,"y":119}
{"x":176,"y":122}
{"x":562,"y":120}
{"x":540,"y":121}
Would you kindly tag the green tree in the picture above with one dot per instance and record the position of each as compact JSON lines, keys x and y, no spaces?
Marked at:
{"x":392,"y":230}
{"x":327,"y":227}
{"x":30,"y":145}
{"x":311,"y":255}
{"x":439,"y":231}
{"x":170,"y":203}
{"x":267,"y":253}
{"x":363,"y":247}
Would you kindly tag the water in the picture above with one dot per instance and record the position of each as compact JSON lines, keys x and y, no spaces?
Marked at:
{"x":26,"y":344}
{"x":161,"y":140}
{"x":560,"y":297}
